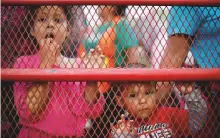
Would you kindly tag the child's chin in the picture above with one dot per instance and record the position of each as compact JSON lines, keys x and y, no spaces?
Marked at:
{"x":144,"y":116}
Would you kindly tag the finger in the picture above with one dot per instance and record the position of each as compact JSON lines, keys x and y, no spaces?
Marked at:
{"x":120,"y":124}
{"x":185,"y":87}
{"x":55,"y":45}
{"x":120,"y":121}
{"x":102,"y":56}
{"x":128,"y":124}
{"x":52,"y":41}
{"x":83,"y":55}
{"x":48,"y":41}
{"x":133,"y":130}
{"x":123,"y":118}
{"x":131,"y":122}
{"x":182,"y":89}
{"x":47,"y":44}
{"x":126,"y":115}
{"x":190,"y":88}
{"x":98,"y":46}
{"x":42,"y":42}
{"x":99,"y":50}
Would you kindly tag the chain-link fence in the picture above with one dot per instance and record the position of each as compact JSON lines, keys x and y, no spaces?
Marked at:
{"x":93,"y":70}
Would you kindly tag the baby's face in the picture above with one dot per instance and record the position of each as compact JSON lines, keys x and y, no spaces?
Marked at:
{"x":140,"y":99}
{"x":50,"y":23}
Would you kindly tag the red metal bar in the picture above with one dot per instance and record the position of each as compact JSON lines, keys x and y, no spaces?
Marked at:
{"x":110,"y":74}
{"x":115,"y":2}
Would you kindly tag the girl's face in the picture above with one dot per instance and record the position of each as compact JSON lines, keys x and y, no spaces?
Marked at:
{"x":106,"y":11}
{"x":140,"y":99}
{"x":50,"y":23}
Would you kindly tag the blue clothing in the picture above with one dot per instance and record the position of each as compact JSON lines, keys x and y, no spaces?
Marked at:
{"x":203,"y":23}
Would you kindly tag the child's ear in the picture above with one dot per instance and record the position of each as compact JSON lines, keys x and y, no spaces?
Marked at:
{"x":119,"y":101}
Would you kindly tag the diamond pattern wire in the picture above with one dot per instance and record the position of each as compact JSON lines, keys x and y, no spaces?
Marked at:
{"x":110,"y":37}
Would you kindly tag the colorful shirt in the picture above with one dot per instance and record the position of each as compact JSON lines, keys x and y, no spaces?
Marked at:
{"x":114,"y":38}
{"x":203,"y":24}
{"x":165,"y":122}
{"x":67,"y":111}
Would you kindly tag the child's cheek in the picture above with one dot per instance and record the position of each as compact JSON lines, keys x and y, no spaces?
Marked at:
{"x":133,"y":106}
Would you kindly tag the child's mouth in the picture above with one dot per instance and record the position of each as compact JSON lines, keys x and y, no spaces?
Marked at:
{"x":49,"y":35}
{"x":144,"y":110}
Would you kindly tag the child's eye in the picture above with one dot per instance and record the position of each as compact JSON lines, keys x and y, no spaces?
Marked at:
{"x":58,"y":20}
{"x":132,"y":95}
{"x":42,"y":19}
{"x":149,"y":92}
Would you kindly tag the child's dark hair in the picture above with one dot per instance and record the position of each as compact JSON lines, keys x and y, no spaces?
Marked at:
{"x":32,"y":12}
{"x":29,"y":22}
{"x":119,"y":88}
{"x":120,"y":10}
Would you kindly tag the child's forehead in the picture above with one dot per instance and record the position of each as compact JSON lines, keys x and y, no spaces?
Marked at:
{"x":50,"y":9}
{"x":139,"y":85}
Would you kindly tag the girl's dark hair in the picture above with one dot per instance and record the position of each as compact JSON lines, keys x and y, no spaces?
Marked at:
{"x":32,"y":12}
{"x":120,"y":10}
{"x":29,"y":22}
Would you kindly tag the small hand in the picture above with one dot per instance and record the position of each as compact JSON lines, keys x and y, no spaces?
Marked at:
{"x":124,"y":127}
{"x":185,"y":87}
{"x":94,"y":59}
{"x":49,"y":52}
{"x":36,"y":98}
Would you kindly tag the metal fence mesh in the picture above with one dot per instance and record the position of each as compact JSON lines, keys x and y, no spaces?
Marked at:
{"x":54,"y":37}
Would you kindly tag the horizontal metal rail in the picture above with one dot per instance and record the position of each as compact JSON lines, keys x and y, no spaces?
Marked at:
{"x":110,"y":74}
{"x":115,"y":2}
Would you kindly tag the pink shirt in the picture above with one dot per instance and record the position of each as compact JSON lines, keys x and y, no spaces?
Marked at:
{"x":66,"y":113}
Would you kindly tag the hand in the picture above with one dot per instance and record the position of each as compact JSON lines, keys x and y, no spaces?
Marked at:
{"x":49,"y":50}
{"x":163,"y":91}
{"x":185,"y":87}
{"x":94,"y":59}
{"x":124,"y":127}
{"x":37,"y":98}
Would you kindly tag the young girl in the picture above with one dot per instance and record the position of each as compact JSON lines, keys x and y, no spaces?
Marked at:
{"x":150,"y":120}
{"x":54,"y":109}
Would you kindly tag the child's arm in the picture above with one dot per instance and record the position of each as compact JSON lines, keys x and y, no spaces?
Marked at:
{"x":37,"y":96}
{"x":94,"y":100}
{"x":92,"y":96}
{"x":197,"y":109}
{"x":29,"y":98}
{"x":94,"y":59}
{"x":195,"y":105}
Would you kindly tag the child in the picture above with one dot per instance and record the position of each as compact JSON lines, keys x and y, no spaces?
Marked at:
{"x":54,"y":109}
{"x":150,"y":120}
{"x":114,"y":36}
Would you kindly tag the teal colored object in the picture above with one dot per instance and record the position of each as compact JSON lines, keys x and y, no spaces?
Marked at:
{"x":125,"y":38}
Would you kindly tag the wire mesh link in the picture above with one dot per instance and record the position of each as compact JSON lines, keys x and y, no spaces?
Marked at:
{"x":67,"y":36}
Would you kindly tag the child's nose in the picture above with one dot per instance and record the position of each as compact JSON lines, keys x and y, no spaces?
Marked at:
{"x":51,"y":24}
{"x":142,"y":100}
